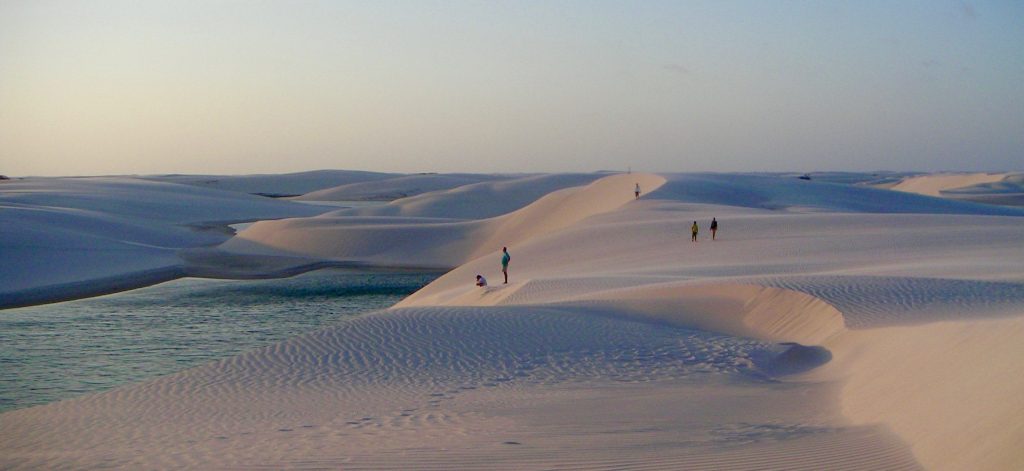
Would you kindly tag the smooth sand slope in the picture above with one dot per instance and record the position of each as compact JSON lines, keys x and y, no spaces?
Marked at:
{"x":829,"y":327}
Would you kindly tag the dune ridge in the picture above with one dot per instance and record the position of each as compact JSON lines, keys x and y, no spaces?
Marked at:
{"x":289,"y":184}
{"x":398,"y":187}
{"x":410,"y":241}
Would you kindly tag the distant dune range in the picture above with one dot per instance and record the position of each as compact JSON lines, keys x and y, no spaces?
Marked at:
{"x":830,"y":326}
{"x":990,"y":188}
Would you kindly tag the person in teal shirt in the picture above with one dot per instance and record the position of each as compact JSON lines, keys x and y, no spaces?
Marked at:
{"x":504,"y":263}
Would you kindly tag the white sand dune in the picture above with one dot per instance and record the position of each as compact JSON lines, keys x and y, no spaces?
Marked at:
{"x":1005,"y":189}
{"x":109,"y":234}
{"x":478,"y":201}
{"x":416,"y":240}
{"x":1008,"y":192}
{"x":289,"y":184}
{"x":936,"y":184}
{"x":402,"y":186}
{"x":829,"y":327}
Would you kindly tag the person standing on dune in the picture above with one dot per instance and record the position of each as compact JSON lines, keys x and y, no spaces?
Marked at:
{"x":636,"y":191}
{"x":504,"y":263}
{"x":694,"y":230}
{"x":714,"y":228}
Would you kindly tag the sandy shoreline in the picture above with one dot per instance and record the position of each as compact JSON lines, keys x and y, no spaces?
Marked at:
{"x":212,"y":266}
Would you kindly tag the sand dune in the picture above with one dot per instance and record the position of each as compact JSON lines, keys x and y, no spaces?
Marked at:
{"x":397,"y":187}
{"x":290,"y":184}
{"x":777,"y":193}
{"x":1008,"y":192}
{"x":109,"y":234}
{"x":477,"y":201}
{"x":936,"y":184}
{"x":949,"y":388}
{"x":424,"y":242}
{"x":1004,"y":189}
{"x":829,"y":327}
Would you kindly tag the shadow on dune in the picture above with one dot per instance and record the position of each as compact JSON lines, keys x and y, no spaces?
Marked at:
{"x":791,"y":358}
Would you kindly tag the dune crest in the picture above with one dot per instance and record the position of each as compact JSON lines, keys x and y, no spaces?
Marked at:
{"x":424,"y":242}
{"x":401,"y":186}
{"x":744,"y":310}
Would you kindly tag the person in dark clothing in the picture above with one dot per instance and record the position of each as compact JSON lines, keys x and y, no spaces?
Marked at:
{"x":714,"y":228}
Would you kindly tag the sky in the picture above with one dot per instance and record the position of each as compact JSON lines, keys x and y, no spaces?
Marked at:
{"x":237,"y":87}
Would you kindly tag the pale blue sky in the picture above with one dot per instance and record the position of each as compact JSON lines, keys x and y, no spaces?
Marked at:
{"x":105,"y":87}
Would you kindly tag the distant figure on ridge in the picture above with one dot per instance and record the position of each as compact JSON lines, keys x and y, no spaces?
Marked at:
{"x":504,"y":263}
{"x":481,"y":281}
{"x":714,"y":227}
{"x":636,"y":191}
{"x":694,"y":230}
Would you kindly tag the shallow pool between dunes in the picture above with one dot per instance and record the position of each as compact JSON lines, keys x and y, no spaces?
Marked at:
{"x":58,"y":351}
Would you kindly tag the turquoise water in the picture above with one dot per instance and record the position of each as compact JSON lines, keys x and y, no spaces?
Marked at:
{"x":59,"y":351}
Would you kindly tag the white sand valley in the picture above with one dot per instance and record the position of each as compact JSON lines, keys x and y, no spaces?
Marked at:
{"x":829,"y":327}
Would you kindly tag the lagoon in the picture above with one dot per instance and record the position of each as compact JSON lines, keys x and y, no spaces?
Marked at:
{"x":59,"y":351}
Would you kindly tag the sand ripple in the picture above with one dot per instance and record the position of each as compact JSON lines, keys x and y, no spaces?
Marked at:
{"x":879,"y":301}
{"x":395,"y":375}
